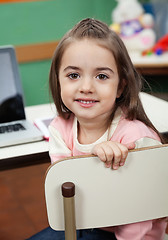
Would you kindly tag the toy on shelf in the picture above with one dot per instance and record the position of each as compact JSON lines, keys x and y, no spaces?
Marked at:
{"x":159,"y":48}
{"x":133,"y":25}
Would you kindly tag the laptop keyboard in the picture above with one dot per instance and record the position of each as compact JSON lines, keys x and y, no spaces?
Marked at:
{"x":11,"y":128}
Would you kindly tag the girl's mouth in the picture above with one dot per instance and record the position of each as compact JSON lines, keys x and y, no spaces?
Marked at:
{"x":86,"y":103}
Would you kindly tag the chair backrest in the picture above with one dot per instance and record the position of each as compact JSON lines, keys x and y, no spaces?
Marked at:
{"x":138,"y":191}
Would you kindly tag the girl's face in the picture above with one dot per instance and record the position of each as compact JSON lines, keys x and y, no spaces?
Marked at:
{"x":89,"y":80}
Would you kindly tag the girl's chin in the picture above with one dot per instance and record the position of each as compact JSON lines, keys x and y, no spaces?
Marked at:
{"x":91,"y":117}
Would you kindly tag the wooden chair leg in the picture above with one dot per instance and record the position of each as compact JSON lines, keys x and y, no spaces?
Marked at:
{"x":68,"y":192}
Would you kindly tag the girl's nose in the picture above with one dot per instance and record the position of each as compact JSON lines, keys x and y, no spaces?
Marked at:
{"x":86,"y":85}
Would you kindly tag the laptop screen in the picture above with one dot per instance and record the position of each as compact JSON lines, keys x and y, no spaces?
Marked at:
{"x":11,"y":95}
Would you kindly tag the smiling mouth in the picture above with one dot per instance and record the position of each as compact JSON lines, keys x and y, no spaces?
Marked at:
{"x":86,"y":101}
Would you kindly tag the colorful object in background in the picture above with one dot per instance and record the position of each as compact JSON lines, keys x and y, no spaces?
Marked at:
{"x":133,"y":25}
{"x":160,"y":47}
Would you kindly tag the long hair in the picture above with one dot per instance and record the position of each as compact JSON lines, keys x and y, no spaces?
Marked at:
{"x":96,"y":30}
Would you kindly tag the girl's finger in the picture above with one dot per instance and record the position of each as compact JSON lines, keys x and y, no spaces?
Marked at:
{"x":109,"y":153}
{"x":99,"y":151}
{"x":117,"y":157}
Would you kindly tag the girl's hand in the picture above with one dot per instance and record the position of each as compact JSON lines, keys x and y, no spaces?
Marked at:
{"x":113,"y":154}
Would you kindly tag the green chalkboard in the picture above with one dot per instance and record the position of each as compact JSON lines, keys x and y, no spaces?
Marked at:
{"x":34,"y":77}
{"x":42,"y":21}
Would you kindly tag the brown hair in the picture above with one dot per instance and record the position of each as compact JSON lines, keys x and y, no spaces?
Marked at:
{"x":129,"y":100}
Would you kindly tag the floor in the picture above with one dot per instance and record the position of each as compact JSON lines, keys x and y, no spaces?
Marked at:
{"x":22,"y":202}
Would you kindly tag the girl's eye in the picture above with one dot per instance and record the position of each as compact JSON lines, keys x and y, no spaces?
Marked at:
{"x":102,"y":76}
{"x":73,"y":76}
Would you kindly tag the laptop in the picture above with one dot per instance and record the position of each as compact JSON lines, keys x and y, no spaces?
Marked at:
{"x":14,"y":127}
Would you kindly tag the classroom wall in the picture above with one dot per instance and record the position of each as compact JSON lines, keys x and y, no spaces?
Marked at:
{"x":31,"y":22}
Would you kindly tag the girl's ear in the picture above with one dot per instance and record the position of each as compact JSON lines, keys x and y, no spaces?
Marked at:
{"x":121,"y":87}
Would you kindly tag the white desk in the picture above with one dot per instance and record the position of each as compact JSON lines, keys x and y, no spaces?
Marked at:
{"x":149,"y":60}
{"x":32,"y":153}
{"x":157,"y":111}
{"x":150,"y":64}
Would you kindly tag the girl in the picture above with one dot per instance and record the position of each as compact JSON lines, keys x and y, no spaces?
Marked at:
{"x":96,"y":88}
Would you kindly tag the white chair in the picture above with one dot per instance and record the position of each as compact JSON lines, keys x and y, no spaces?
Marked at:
{"x":138,"y":191}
